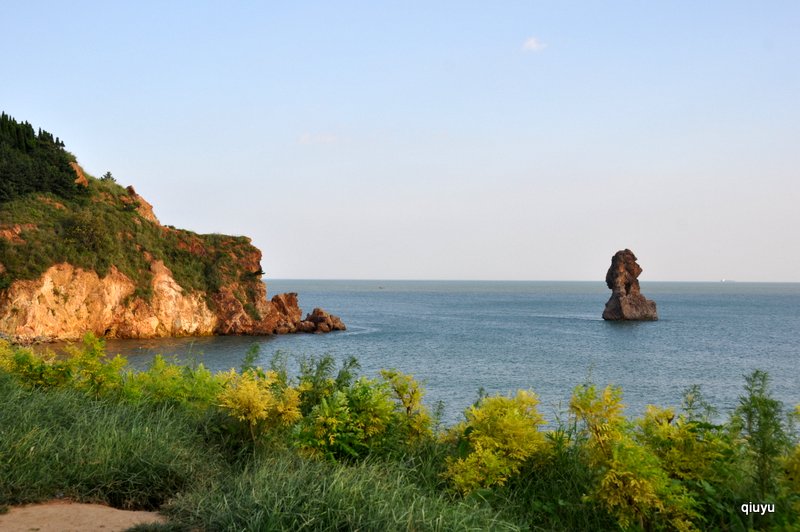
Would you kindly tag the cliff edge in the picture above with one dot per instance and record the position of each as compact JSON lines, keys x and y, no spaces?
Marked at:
{"x":82,"y":254}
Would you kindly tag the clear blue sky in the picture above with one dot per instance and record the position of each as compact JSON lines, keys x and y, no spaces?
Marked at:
{"x":461,"y":140}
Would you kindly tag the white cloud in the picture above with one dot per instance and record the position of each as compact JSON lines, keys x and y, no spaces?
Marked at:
{"x":533,"y":44}
{"x":318,"y":138}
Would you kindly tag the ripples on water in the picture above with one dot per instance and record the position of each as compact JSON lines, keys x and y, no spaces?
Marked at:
{"x":547,"y":336}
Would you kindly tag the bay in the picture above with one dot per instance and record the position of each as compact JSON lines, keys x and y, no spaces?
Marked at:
{"x":460,"y":336}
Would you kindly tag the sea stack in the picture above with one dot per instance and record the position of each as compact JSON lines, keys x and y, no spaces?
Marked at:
{"x":626,"y":301}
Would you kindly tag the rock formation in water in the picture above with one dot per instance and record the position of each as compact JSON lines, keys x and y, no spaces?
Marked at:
{"x":82,"y":254}
{"x":320,"y":321}
{"x":626,"y":301}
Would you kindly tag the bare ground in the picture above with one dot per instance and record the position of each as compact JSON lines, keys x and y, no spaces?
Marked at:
{"x":65,"y":516}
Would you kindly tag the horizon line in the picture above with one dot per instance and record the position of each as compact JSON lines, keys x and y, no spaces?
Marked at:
{"x":720,"y":281}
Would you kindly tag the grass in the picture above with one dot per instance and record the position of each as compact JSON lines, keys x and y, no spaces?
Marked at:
{"x":165,"y":439}
{"x":282,"y":491}
{"x":63,"y":444}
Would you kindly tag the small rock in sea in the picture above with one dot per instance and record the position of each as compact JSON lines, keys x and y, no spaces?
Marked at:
{"x":626,"y":301}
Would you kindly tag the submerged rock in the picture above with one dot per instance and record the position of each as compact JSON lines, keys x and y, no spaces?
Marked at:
{"x":626,"y":301}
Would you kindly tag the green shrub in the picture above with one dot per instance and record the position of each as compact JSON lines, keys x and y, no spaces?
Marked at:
{"x":498,"y":436}
{"x":316,"y":379}
{"x":349,"y":423}
{"x":194,"y":388}
{"x":630,"y":481}
{"x":550,"y":491}
{"x":260,"y":400}
{"x":760,"y":418}
{"x":84,"y":368}
{"x":413,"y":415}
{"x":701,"y":455}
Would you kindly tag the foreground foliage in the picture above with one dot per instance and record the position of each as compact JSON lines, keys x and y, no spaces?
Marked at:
{"x":256,"y":449}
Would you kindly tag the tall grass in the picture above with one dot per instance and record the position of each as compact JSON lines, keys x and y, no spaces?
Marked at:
{"x":61,"y":443}
{"x":256,"y":450}
{"x":286,"y":492}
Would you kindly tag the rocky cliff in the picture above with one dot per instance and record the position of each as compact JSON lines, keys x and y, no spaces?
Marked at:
{"x":626,"y":301}
{"x":94,"y":257}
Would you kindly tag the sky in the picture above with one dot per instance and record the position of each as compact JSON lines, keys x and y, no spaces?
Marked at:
{"x":437,"y":140}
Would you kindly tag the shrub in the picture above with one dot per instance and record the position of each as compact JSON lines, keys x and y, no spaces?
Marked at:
{"x":701,"y":455}
{"x":630,"y":481}
{"x":84,"y":425}
{"x":316,"y":380}
{"x":498,"y":436}
{"x":349,"y":423}
{"x":83,"y":368}
{"x":760,"y":418}
{"x":257,"y":398}
{"x":550,"y":491}
{"x":195,"y":388}
{"x":414,"y":417}
{"x":791,"y":477}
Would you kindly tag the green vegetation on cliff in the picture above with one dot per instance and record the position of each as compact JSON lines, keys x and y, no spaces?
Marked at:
{"x":257,"y":449}
{"x":47,"y":218}
{"x":33,"y":162}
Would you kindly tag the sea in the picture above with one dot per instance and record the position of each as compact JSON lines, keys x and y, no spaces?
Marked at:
{"x":462,"y":338}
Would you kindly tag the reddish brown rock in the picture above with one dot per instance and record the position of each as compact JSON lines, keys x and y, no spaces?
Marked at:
{"x":320,"y":321}
{"x":81,"y":177}
{"x":65,"y":302}
{"x":626,"y":301}
{"x":141,"y":205}
{"x":286,"y":305}
{"x":306,"y":326}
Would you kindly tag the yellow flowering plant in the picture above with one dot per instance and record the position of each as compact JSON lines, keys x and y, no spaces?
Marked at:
{"x":257,"y":399}
{"x":499,"y":435}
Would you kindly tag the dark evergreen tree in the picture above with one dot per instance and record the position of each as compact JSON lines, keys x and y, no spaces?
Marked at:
{"x":33,"y":161}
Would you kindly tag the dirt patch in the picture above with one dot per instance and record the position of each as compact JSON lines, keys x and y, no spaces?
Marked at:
{"x":12,"y":232}
{"x":64,"y":516}
{"x":52,"y":203}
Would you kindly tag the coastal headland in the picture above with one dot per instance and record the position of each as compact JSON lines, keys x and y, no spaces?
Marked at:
{"x":79,"y":254}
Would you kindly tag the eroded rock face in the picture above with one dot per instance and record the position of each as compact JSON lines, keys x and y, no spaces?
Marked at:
{"x":144,"y":209}
{"x":80,"y":178}
{"x":626,"y":301}
{"x":66,"y":302}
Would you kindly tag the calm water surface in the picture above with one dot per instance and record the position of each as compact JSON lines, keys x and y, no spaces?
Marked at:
{"x":457,"y":337}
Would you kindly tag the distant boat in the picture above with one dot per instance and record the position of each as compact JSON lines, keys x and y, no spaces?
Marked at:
{"x":727,"y":281}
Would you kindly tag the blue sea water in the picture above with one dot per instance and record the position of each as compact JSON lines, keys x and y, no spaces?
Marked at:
{"x":459,"y":336}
